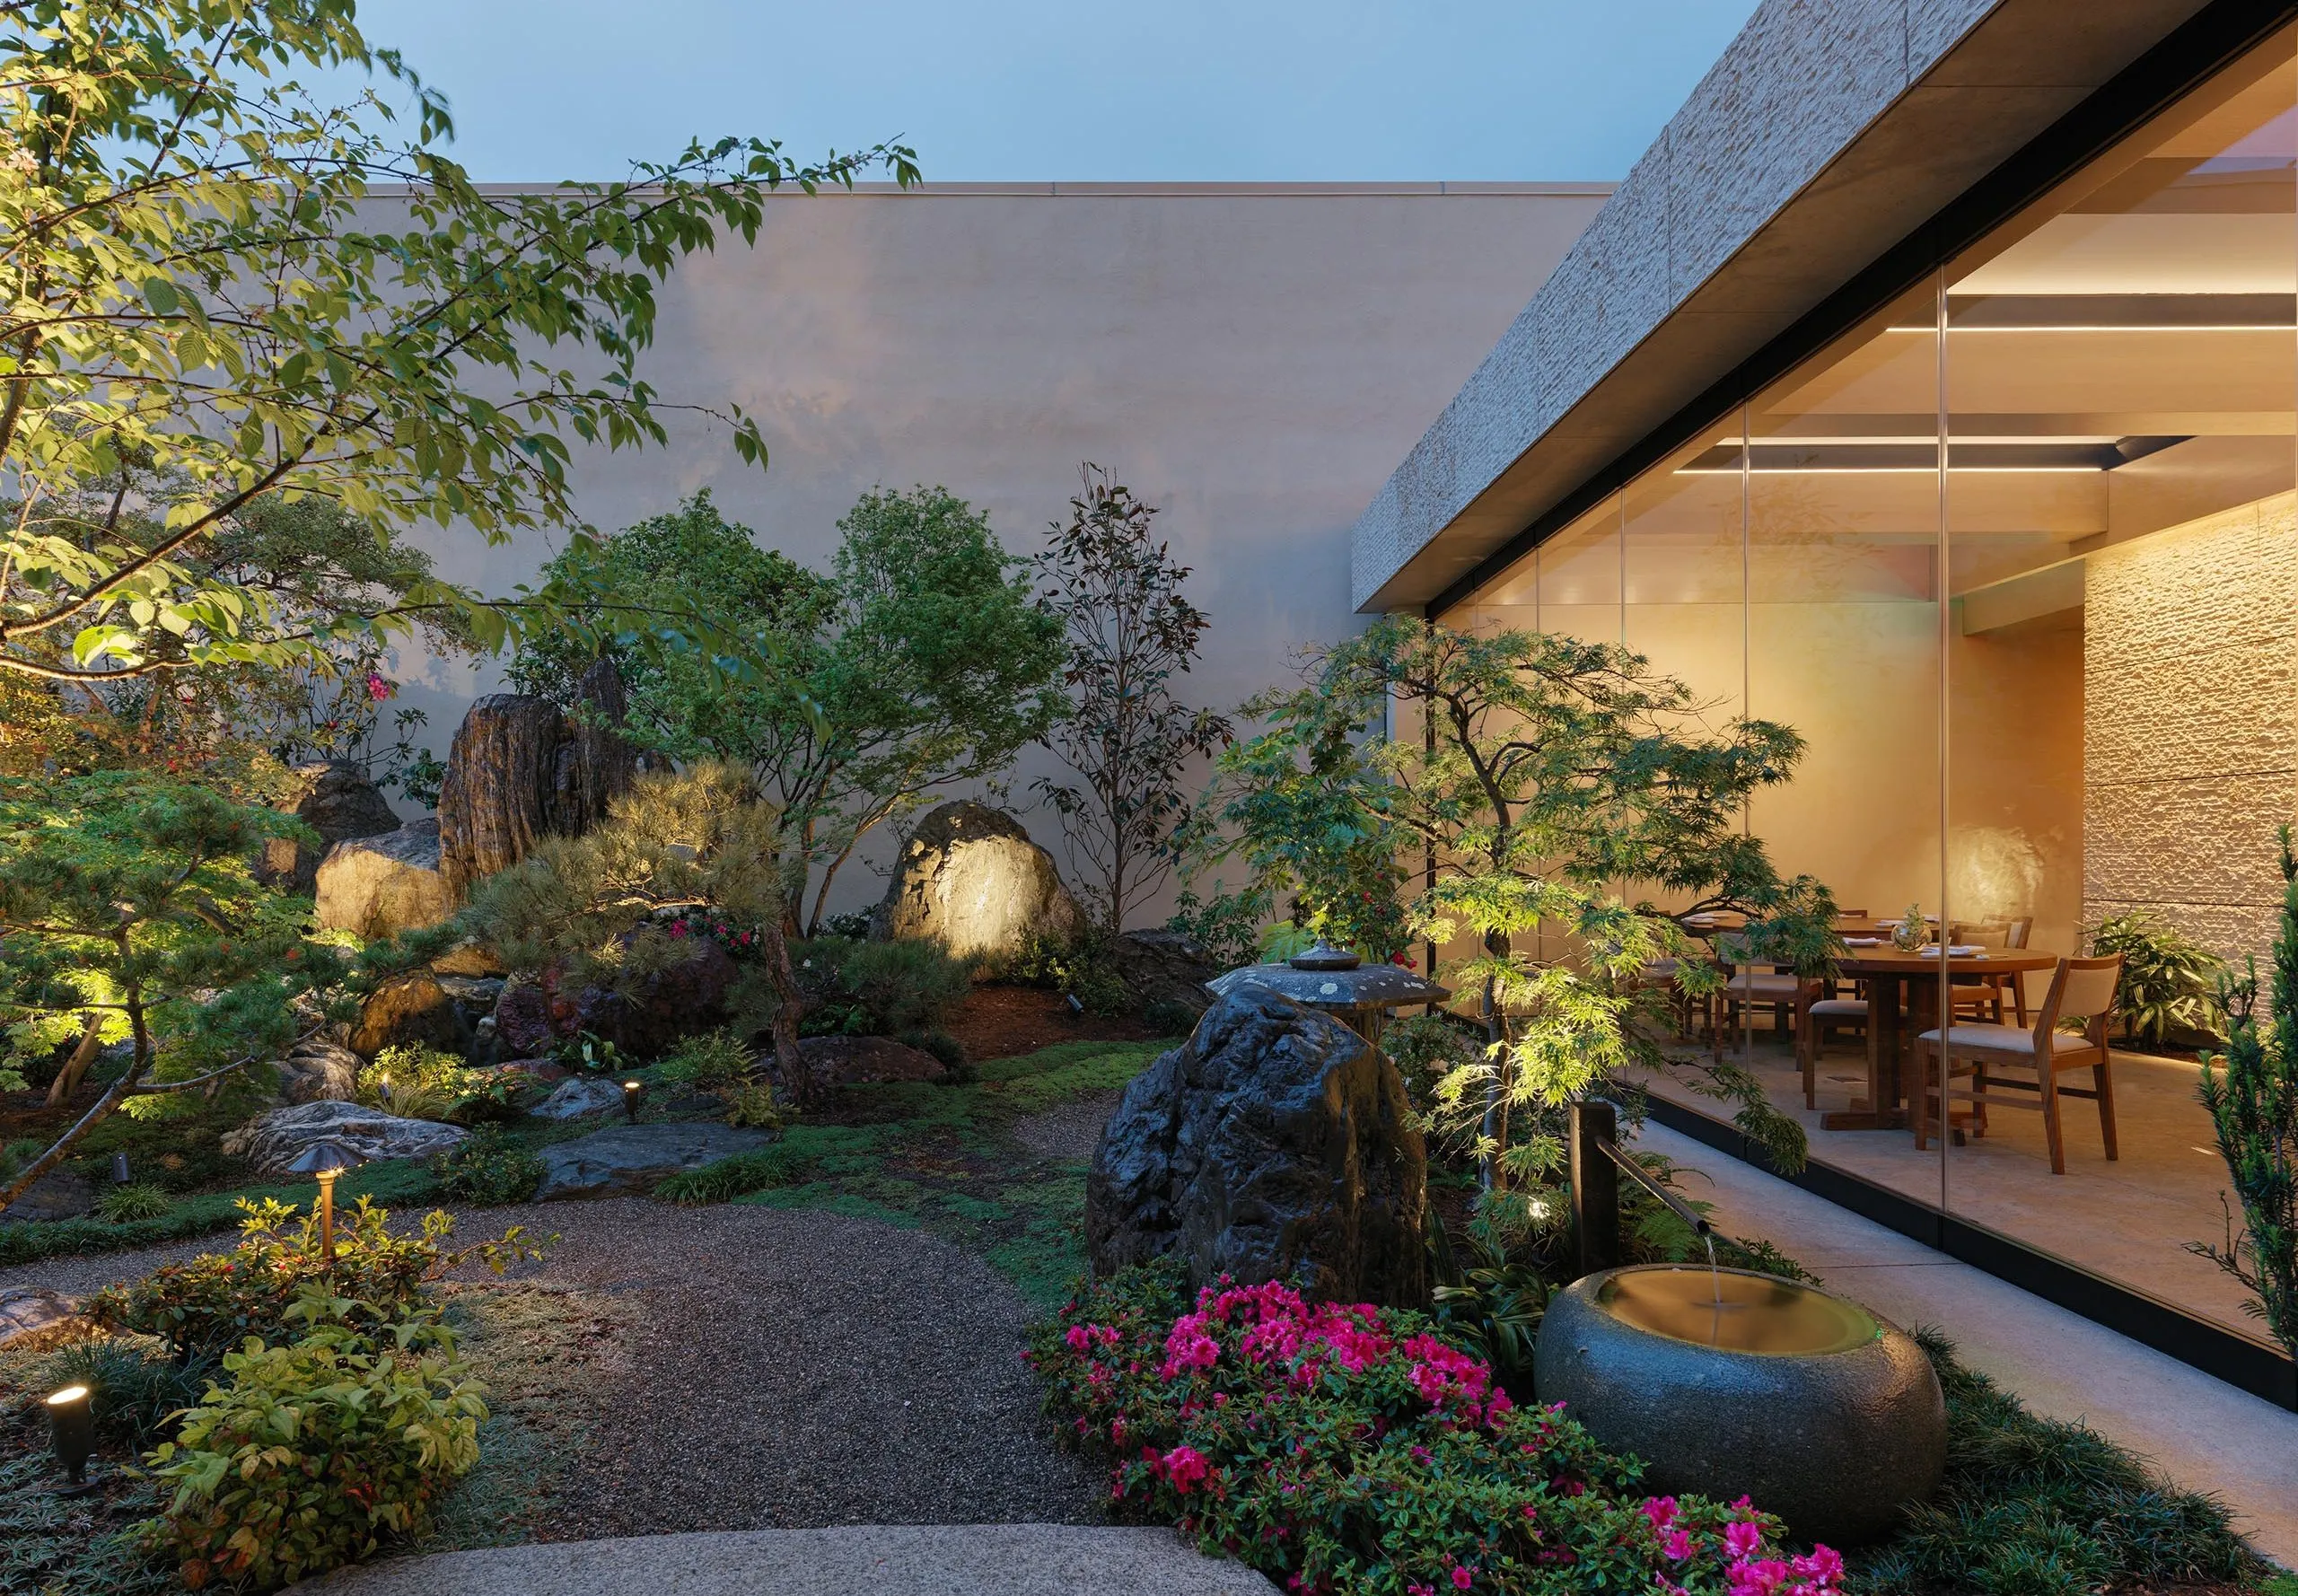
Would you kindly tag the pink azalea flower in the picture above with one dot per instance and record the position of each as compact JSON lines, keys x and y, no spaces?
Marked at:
{"x":1677,"y":1545}
{"x":1661,"y":1511}
{"x":1462,"y":1579}
{"x":1186,"y":1465}
{"x":1743,"y":1539}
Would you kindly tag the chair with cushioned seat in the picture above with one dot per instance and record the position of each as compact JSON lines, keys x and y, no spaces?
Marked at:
{"x":2078,"y":987}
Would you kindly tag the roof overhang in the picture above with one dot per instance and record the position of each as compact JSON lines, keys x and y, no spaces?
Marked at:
{"x":1828,"y":135}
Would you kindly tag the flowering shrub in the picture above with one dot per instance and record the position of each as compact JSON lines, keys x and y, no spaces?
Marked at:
{"x":1348,"y":1448}
{"x":216,"y":1300}
{"x":309,"y":1455}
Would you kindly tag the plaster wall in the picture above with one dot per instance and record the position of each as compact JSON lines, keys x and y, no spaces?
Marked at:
{"x":1251,"y":358}
{"x":2190,"y":723}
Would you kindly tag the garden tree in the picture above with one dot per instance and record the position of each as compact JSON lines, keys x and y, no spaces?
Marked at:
{"x":128,"y":913}
{"x":310,"y":560}
{"x":1118,"y":591}
{"x":1307,"y":817}
{"x":2251,"y":1091}
{"x":703,"y":838}
{"x":920,"y":662}
{"x":206,"y":306}
{"x":1561,"y":778}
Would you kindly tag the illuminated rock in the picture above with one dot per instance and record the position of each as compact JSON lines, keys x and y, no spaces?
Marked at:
{"x":972,"y":878}
{"x":379,"y":886}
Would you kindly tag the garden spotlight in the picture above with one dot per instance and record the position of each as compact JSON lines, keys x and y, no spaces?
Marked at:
{"x":326,"y":1160}
{"x":119,"y":1175}
{"x":631,"y":1092}
{"x":72,"y":1418}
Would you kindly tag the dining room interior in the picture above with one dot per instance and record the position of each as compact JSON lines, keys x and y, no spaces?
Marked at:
{"x":2016,"y":556}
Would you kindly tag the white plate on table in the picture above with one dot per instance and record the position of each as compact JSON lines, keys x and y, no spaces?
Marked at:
{"x":1959,"y":951}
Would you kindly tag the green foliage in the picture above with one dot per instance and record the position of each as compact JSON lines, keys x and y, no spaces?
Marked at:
{"x":216,"y":1301}
{"x":944,"y":1047}
{"x":1079,"y":967}
{"x":419,"y":1083}
{"x":1562,"y":778}
{"x":1350,"y":1449}
{"x":587,"y":1055}
{"x":2251,"y":1091}
{"x":1116,"y":591}
{"x":203,"y":312}
{"x":138,"y":1199}
{"x":752,"y":1105}
{"x":2034,"y":1507}
{"x":203,"y":1214}
{"x":728,"y":1177}
{"x":709,"y":1061}
{"x":878,"y":988}
{"x":1226,"y":925}
{"x":1169,"y":1018}
{"x":135,"y":1388}
{"x":489,"y":1169}
{"x":917,"y":663}
{"x":127,"y":899}
{"x":314,"y":1453}
{"x":2169,"y":981}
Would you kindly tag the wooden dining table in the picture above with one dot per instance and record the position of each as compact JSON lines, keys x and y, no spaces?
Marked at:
{"x":1890,"y":975}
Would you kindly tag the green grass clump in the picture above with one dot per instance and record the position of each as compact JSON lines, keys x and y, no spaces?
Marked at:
{"x":738,"y":1175}
{"x":138,"y":1199}
{"x":2032,"y":1507}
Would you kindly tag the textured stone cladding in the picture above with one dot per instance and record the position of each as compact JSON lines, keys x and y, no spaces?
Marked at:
{"x":2190,"y":723}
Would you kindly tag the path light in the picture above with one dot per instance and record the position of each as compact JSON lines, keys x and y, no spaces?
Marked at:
{"x":72,"y":1420}
{"x":119,"y":1175}
{"x":326,"y":1160}
{"x":631,"y":1092}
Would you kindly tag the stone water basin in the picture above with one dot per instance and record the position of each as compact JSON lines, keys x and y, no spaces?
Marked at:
{"x":1730,"y":1383}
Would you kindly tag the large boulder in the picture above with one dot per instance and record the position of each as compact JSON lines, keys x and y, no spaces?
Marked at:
{"x":578,"y":1096}
{"x":1164,"y":967}
{"x":971,"y":878}
{"x":379,"y":886}
{"x":626,"y":1159}
{"x":410,"y":1011}
{"x":33,"y":1317}
{"x":334,"y":800}
{"x":319,"y":1072}
{"x":271,"y":1142}
{"x":1275,"y":1144}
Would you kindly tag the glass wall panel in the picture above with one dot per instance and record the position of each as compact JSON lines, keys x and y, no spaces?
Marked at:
{"x":2123,"y":735}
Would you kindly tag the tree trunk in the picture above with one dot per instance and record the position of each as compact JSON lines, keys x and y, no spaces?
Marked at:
{"x":521,"y":769}
{"x":789,"y":1063}
{"x":75,"y":1068}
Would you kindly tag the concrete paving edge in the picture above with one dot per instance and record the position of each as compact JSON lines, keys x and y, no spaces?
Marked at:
{"x":849,"y":1560}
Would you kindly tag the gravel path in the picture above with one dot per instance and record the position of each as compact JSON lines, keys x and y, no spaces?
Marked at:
{"x":793,"y":1369}
{"x":1071,"y":1131}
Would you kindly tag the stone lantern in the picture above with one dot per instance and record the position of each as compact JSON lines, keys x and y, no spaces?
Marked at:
{"x":1359,"y":996}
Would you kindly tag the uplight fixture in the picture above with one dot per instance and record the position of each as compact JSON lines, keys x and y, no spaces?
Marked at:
{"x":632,"y":1091}
{"x":72,"y":1420}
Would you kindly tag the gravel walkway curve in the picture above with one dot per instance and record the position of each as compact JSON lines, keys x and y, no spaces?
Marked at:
{"x":793,"y":1369}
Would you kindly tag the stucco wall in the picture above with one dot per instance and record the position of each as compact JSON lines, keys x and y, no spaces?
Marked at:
{"x":1250,"y":359}
{"x":2190,"y":718}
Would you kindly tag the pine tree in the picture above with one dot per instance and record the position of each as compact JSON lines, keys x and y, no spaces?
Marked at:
{"x":2251,"y":1091}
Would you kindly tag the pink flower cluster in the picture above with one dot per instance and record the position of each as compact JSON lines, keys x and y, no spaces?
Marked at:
{"x":1446,"y":1378}
{"x":1747,"y":1573}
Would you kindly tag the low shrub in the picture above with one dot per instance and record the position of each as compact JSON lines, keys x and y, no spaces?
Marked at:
{"x":877,"y":988}
{"x":1168,"y":1018}
{"x":138,"y":1199}
{"x":218,"y":1299}
{"x":134,"y":1388}
{"x":489,"y":1169}
{"x":202,"y":1213}
{"x":421,"y":1083}
{"x":311,"y":1454}
{"x":1076,"y":967}
{"x":1349,"y":1448}
{"x":587,"y":1055}
{"x":949,"y":1052}
{"x":710,"y":1061}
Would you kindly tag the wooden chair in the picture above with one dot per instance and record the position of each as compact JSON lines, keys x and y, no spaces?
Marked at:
{"x":1822,"y":1011}
{"x":2084,"y":986}
{"x":1980,"y":997}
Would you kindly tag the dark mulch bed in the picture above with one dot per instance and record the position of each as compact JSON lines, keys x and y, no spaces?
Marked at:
{"x":998,"y":1022}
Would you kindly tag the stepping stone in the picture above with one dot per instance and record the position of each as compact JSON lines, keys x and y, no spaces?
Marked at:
{"x":32,"y":1315}
{"x":634,"y":1159}
{"x":850,"y":1560}
{"x":58,"y":1195}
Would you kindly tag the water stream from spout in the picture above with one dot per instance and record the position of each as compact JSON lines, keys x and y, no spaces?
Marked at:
{"x":1716,"y":1283}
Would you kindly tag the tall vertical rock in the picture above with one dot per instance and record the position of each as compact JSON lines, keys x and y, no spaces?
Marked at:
{"x":521,"y":769}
